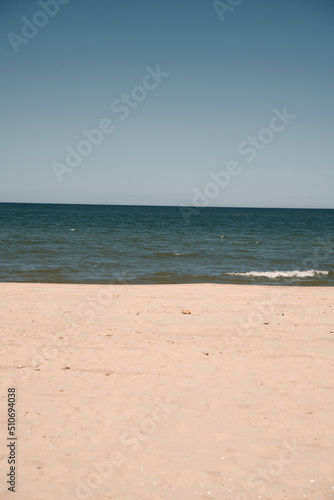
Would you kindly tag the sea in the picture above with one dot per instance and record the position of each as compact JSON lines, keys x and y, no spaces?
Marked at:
{"x":113,"y":244}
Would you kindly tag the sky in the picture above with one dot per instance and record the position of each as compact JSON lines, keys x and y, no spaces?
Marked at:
{"x":167,"y":102}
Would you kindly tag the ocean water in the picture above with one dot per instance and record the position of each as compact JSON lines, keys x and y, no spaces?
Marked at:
{"x":136,"y":244}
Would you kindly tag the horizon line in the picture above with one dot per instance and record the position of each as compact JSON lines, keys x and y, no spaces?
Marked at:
{"x":158,"y":206}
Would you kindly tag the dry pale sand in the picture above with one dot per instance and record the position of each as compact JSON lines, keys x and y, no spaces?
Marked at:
{"x":121,"y":396}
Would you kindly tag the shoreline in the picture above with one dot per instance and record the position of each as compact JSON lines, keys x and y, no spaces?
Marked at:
{"x":241,"y":285}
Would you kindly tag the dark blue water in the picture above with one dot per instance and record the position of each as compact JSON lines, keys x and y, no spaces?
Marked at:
{"x":132,"y":244}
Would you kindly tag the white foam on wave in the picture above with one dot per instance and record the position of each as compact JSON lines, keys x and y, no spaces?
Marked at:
{"x":283,"y":274}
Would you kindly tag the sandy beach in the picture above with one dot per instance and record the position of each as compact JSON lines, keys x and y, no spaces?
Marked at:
{"x":120,"y":395}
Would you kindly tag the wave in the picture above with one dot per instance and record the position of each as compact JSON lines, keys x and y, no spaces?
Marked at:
{"x":169,"y":254}
{"x":311,"y":273}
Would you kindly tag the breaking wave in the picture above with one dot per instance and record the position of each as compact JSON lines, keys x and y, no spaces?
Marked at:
{"x":311,"y":273}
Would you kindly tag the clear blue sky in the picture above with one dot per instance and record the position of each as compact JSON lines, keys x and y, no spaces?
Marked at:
{"x":225,"y":77}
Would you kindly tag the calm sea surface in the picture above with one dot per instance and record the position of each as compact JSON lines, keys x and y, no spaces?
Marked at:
{"x":135,"y":244}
